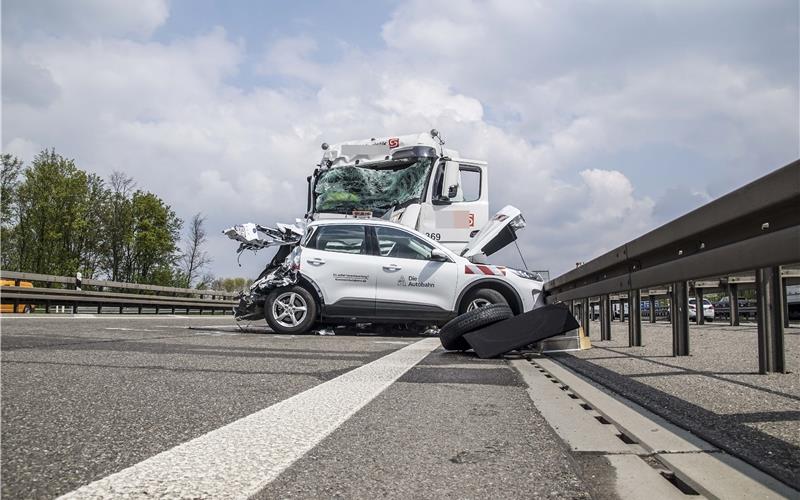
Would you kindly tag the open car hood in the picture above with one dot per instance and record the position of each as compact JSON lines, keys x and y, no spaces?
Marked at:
{"x":495,"y":234}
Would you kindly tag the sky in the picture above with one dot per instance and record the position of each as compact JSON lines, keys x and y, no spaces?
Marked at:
{"x":600,"y":120}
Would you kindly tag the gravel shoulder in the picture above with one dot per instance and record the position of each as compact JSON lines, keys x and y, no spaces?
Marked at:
{"x":716,"y":392}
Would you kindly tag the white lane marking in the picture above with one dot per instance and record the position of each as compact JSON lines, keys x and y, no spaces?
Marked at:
{"x":6,"y":316}
{"x":122,"y":329}
{"x":241,"y":458}
{"x":209,"y":333}
{"x":394,"y":342}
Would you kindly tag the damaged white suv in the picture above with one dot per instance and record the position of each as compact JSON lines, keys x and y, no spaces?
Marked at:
{"x":375,"y":271}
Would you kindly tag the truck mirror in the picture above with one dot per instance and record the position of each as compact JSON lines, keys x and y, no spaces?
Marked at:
{"x":450,"y":181}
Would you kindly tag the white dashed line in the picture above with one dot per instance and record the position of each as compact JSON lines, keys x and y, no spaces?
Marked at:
{"x":241,"y":458}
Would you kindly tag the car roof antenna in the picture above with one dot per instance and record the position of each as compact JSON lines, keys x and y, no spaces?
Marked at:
{"x":516,"y":244}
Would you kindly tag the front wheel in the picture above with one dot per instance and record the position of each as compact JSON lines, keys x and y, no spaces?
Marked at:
{"x":480,"y":298}
{"x":290,"y":310}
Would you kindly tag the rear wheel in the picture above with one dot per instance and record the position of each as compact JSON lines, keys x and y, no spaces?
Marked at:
{"x":481,"y":297}
{"x":290,"y":310}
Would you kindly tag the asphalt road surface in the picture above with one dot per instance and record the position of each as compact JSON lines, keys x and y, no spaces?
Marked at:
{"x":145,"y":406}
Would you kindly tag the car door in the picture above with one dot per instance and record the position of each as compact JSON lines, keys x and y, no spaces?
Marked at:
{"x":337,"y":260}
{"x":411,"y":284}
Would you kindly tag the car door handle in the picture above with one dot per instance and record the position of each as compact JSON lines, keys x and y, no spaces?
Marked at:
{"x":316,"y":261}
{"x":392,"y":267}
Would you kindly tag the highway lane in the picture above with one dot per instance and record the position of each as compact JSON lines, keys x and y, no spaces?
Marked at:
{"x":84,"y":398}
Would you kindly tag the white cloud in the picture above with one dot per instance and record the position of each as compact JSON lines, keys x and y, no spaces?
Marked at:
{"x":545,"y":92}
{"x":83,"y":18}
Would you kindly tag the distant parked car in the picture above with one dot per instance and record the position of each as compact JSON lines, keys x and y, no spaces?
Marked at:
{"x":708,"y":309}
{"x":747,"y":308}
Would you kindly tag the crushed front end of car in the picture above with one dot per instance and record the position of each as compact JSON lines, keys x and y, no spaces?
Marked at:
{"x":281,"y":271}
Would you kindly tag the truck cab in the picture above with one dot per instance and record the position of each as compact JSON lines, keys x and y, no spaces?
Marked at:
{"x":410,"y":179}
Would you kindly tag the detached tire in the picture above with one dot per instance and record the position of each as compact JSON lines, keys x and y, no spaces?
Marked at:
{"x":451,"y":334}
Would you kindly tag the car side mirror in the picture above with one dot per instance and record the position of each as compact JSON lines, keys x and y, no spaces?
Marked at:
{"x":439,"y":255}
{"x":450,"y":182}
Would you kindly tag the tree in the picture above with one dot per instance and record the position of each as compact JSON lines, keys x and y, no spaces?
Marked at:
{"x":57,"y":229}
{"x":59,"y":219}
{"x":118,"y":226}
{"x":9,"y":183}
{"x":194,"y":258}
{"x":231,"y":284}
{"x":156,"y":232}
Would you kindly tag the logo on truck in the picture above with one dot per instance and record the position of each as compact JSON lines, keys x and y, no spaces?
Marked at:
{"x":394,"y":142}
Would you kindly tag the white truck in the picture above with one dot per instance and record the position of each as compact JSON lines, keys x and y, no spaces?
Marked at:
{"x":409,"y":179}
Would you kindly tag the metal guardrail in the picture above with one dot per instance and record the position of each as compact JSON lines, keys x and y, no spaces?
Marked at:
{"x":155,"y":297}
{"x":754,"y":228}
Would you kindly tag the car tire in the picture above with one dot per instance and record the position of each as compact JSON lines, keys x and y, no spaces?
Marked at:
{"x":290,"y":310}
{"x":451,"y":335}
{"x":480,"y":298}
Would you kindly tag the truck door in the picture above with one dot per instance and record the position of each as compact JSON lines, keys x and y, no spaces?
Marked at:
{"x":411,"y":284}
{"x":452,"y":222}
{"x":337,"y":260}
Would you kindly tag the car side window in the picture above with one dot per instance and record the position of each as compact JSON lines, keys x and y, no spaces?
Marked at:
{"x":396,"y":243}
{"x":343,"y":238}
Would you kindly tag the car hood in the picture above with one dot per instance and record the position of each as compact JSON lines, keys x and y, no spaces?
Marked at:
{"x":495,"y":234}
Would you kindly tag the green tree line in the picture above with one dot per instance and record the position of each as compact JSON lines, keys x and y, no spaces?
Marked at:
{"x":58,"y":219}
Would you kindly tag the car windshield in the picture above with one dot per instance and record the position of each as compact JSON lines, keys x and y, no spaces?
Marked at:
{"x":372,"y":188}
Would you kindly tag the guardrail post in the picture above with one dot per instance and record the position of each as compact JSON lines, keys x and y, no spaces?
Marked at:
{"x":785,"y":302}
{"x":679,"y":309}
{"x":733,"y":296}
{"x":586,"y":309}
{"x":770,"y":320}
{"x":635,"y":318}
{"x":652,"y":308}
{"x":699,"y":308}
{"x":605,"y":318}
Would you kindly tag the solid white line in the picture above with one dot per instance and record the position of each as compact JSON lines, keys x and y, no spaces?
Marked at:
{"x":241,"y":458}
{"x":7,"y":316}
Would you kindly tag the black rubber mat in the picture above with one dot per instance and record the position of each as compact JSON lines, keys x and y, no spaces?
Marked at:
{"x":521,"y":330}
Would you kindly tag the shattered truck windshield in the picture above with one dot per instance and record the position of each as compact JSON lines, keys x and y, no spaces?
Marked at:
{"x":376,"y":187}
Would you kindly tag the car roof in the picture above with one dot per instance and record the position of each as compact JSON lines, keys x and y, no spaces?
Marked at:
{"x":369,"y":222}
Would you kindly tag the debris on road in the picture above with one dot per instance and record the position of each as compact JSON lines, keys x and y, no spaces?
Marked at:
{"x":491,"y":331}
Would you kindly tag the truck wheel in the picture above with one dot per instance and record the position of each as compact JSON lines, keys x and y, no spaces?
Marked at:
{"x":481,"y":298}
{"x":451,"y":334}
{"x":290,"y":310}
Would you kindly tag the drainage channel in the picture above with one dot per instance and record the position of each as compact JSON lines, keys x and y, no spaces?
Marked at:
{"x":651,"y":457}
